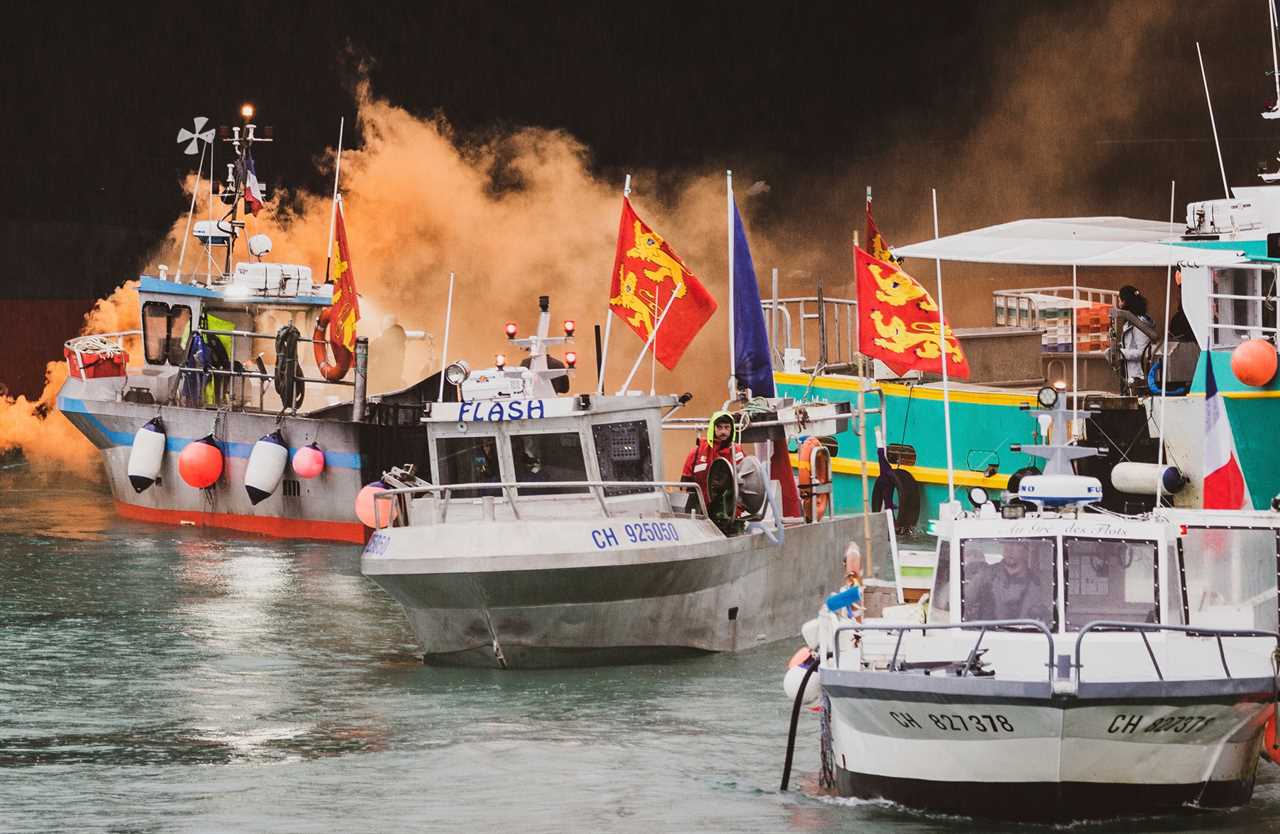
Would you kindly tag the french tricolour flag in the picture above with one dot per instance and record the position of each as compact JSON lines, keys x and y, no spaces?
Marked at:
{"x":1224,"y":487}
{"x":253,"y":194}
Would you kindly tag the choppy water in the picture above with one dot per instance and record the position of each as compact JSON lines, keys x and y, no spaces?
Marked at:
{"x":171,"y":679}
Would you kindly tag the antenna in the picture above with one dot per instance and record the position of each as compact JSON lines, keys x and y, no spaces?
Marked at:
{"x":1226,"y":190}
{"x":1274,"y":112}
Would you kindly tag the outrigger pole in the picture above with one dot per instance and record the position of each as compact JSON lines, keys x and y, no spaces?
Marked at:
{"x":942,"y":344}
{"x":333,"y":208}
{"x":608,"y":313}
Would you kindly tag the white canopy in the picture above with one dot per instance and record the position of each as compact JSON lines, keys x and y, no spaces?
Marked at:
{"x":1082,"y":241}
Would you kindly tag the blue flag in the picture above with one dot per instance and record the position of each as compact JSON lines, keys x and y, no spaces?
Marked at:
{"x":750,"y":338}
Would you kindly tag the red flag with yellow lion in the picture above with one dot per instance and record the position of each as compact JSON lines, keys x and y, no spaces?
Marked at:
{"x":898,"y":321}
{"x":647,"y":274}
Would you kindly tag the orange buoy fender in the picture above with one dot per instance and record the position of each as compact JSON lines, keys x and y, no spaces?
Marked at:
{"x":1269,"y":742}
{"x":265,"y":469}
{"x":200,"y":463}
{"x":365,"y":506}
{"x":815,"y":470}
{"x":337,"y":369}
{"x":147,"y":455}
{"x":308,"y":462}
{"x":1254,"y":362}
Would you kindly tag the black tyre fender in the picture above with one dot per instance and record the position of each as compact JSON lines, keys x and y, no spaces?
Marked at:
{"x":899,"y":489}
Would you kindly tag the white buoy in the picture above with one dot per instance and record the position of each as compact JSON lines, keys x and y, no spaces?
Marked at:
{"x":809,"y":631}
{"x":266,"y":467}
{"x":791,"y":685}
{"x":147,"y":455}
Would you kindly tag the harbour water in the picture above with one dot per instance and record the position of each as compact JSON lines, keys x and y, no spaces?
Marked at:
{"x":175,"y":679}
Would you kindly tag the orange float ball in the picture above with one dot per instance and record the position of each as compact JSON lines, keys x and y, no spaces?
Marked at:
{"x":1254,"y":362}
{"x":200,"y":463}
{"x":365,"y":506}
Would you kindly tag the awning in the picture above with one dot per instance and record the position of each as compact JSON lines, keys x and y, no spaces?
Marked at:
{"x":1081,"y":241}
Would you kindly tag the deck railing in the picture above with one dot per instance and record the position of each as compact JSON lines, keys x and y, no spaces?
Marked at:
{"x":983,"y":627}
{"x":510,"y":493}
{"x":1144,"y":629}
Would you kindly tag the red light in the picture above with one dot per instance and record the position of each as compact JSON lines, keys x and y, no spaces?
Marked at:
{"x":500,"y":360}
{"x":510,"y":329}
{"x":571,"y":359}
{"x":569,"y":326}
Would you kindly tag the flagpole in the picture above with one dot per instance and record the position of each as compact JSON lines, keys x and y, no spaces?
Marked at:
{"x":942,"y":344}
{"x":653,"y":360}
{"x":733,"y":359}
{"x":647,"y":344}
{"x":1075,"y":354}
{"x":333,"y":208}
{"x":444,"y":349}
{"x":1164,"y":362}
{"x":608,"y":311}
{"x":862,"y":430}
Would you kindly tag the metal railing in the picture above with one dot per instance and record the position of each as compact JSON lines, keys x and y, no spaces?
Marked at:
{"x":510,"y":492}
{"x":983,"y":627}
{"x":1143,"y":629}
{"x":842,"y":311}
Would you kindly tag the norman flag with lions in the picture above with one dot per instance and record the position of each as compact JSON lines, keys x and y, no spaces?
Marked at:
{"x":898,"y":321}
{"x":647,"y":275}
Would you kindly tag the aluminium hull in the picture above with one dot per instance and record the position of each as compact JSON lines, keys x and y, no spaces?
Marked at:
{"x":1019,"y":751}
{"x":589,"y":607}
{"x":321,"y":508}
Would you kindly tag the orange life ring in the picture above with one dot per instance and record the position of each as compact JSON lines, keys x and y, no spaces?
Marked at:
{"x":815,"y":470}
{"x":1269,"y":746}
{"x":337,"y":369}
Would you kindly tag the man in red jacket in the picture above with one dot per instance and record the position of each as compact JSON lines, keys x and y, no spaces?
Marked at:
{"x":717,"y":444}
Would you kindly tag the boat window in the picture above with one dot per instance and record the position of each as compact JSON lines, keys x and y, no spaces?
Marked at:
{"x":1230,"y":578}
{"x":623,"y":452}
{"x":1110,"y":579}
{"x":940,"y":596}
{"x":469,"y":460}
{"x":155,"y":331}
{"x":1008,"y":579}
{"x":179,"y":333}
{"x":548,"y":458}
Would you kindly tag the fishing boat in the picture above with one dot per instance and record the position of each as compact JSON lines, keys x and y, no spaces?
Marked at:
{"x":1068,"y":663}
{"x":234,"y":418}
{"x":541,"y":533}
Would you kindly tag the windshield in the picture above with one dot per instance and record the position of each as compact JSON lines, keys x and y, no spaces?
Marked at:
{"x":1110,"y":579}
{"x":1229,"y":577}
{"x":469,"y":460}
{"x":1008,"y":579}
{"x":548,"y":458}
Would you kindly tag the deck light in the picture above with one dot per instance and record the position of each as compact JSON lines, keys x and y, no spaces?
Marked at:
{"x":457,"y":373}
{"x":571,"y":358}
{"x":569,"y":326}
{"x":977,"y":496}
{"x":500,"y":360}
{"x":510,"y":329}
{"x":246,"y":110}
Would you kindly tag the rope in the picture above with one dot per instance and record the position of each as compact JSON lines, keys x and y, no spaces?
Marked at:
{"x":811,"y":667}
{"x":288,"y":375}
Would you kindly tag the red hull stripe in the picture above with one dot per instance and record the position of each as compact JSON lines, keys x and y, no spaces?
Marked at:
{"x":284,"y":528}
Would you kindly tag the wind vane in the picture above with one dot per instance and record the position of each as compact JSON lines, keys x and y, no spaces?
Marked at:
{"x":195,"y":137}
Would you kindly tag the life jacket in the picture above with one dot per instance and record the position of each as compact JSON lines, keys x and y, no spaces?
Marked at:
{"x":698,"y":463}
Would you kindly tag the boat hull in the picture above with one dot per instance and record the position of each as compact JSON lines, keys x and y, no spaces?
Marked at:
{"x":1019,"y":751}
{"x":583,"y":608}
{"x":321,"y":508}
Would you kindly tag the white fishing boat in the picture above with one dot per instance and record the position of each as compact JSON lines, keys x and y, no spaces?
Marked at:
{"x":544,"y":535}
{"x":1067,"y":664}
